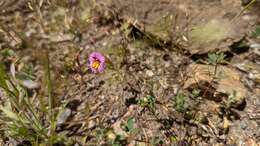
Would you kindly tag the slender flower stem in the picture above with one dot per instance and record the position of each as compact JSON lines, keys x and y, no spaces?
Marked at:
{"x":241,"y":12}
{"x":51,"y":100}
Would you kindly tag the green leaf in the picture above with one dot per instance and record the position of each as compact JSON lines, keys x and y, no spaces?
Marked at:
{"x":9,"y":113}
{"x":130,"y":124}
{"x":180,"y":103}
{"x":7,"y":52}
{"x":215,"y":58}
{"x":3,"y":77}
{"x":256,"y":33}
{"x":212,"y":58}
{"x":148,"y":102}
{"x":119,"y":137}
{"x":195,"y":93}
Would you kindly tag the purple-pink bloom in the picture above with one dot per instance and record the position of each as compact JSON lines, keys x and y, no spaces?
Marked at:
{"x":96,"y":62}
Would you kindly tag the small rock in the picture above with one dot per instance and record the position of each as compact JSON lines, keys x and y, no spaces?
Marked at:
{"x":256,"y":48}
{"x":91,"y":124}
{"x":222,"y":137}
{"x":243,"y":125}
{"x":257,"y":51}
{"x":167,"y":64}
{"x":149,"y":73}
{"x":225,"y":123}
{"x":111,"y":135}
{"x":30,"y":84}
{"x":63,"y":116}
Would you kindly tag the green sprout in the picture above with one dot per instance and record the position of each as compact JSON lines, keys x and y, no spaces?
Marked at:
{"x":232,"y":98}
{"x":148,"y":102}
{"x":195,"y":93}
{"x":180,"y":103}
{"x":216,"y":58}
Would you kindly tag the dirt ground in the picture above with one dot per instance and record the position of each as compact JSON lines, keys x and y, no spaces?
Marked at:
{"x":158,"y":72}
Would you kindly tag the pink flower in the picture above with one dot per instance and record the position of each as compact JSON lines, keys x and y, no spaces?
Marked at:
{"x":96,"y":62}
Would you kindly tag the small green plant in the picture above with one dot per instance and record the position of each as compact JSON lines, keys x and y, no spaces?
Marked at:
{"x":180,"y":103}
{"x":195,"y":93}
{"x":26,"y":73}
{"x":21,"y":117}
{"x":216,"y":58}
{"x":129,"y":126}
{"x":256,"y":32}
{"x":7,"y":52}
{"x":148,"y":102}
{"x":232,"y":98}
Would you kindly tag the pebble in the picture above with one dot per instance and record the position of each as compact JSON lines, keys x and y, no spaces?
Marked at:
{"x":30,"y":84}
{"x":63,"y":117}
{"x":91,"y":124}
{"x":149,"y":73}
{"x":225,"y":123}
{"x":243,"y":125}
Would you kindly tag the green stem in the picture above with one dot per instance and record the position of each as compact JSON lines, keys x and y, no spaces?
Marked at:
{"x":51,"y":100}
{"x":241,"y":12}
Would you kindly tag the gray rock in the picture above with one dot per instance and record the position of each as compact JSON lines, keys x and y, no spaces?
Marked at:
{"x":30,"y":84}
{"x":63,"y":116}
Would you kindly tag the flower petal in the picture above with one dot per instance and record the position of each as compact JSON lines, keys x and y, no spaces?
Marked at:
{"x":96,"y":56}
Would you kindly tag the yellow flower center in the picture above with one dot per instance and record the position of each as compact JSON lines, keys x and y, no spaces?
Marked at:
{"x":96,"y":64}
